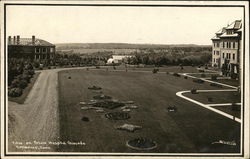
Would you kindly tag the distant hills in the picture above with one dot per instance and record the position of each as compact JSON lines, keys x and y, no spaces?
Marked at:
{"x":66,"y":46}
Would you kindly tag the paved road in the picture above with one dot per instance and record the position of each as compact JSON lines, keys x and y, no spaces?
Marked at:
{"x":37,"y":118}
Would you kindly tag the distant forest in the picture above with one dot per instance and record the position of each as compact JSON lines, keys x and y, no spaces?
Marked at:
{"x":141,"y":53}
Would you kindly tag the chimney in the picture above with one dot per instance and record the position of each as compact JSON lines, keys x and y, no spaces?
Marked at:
{"x":18,"y":39}
{"x":9,"y":40}
{"x":14,"y":42}
{"x":33,"y":39}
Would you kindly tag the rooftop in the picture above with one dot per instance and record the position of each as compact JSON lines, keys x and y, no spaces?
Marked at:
{"x":28,"y":42}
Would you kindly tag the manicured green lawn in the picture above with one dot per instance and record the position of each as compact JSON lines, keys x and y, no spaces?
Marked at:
{"x":189,"y":130}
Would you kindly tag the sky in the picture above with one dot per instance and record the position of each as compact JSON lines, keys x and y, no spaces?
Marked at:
{"x":147,"y":25}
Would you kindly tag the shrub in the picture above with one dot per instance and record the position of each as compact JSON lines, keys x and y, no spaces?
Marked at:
{"x":193,"y":91}
{"x":176,"y":75}
{"x":155,"y":70}
{"x":198,"y":81}
{"x":214,"y":77}
{"x":15,"y":92}
{"x":15,"y":83}
{"x":22,"y":84}
{"x":25,"y":77}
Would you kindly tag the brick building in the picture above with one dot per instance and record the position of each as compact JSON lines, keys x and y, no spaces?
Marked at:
{"x":227,"y":50}
{"x":30,"y":48}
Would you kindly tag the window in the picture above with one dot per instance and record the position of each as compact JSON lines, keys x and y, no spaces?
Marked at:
{"x":229,"y":44}
{"x":214,"y":44}
{"x":223,"y":55}
{"x":218,"y":52}
{"x":229,"y":56}
{"x":233,"y":44}
{"x":52,"y":49}
{"x":223,"y":44}
{"x":218,"y":44}
{"x":37,"y":50}
{"x":44,"y":49}
{"x":233,"y":56}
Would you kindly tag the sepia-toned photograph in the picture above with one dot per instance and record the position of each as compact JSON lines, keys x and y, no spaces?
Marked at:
{"x":125,"y":78}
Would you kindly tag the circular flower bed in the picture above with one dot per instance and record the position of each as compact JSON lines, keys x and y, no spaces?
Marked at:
{"x":141,"y":144}
{"x":117,"y":116}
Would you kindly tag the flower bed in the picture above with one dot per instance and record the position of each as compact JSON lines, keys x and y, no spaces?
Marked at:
{"x":141,"y":144}
{"x":117,"y":116}
{"x":108,"y":104}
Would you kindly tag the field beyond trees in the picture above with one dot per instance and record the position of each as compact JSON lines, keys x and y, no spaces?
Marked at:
{"x":191,"y":129}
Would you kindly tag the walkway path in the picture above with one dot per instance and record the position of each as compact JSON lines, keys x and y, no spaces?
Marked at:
{"x":210,"y":106}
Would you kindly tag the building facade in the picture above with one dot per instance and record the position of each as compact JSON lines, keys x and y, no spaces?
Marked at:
{"x":30,"y":48}
{"x":226,"y":50}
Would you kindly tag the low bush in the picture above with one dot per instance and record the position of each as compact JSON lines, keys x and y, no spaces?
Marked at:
{"x":15,"y":83}
{"x":155,"y":70}
{"x":193,"y":91}
{"x":176,"y":75}
{"x":15,"y":92}
{"x":22,"y":84}
{"x":200,"y":81}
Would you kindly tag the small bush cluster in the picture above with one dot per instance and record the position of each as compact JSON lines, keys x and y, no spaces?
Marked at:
{"x":19,"y":83}
{"x":193,"y":91}
{"x":177,"y":75}
{"x":155,"y":70}
{"x":15,"y":92}
{"x":198,"y":81}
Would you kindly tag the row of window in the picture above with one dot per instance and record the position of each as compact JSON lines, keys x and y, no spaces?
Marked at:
{"x":216,"y":52}
{"x":44,"y":50}
{"x":228,"y":56}
{"x":226,"y":45}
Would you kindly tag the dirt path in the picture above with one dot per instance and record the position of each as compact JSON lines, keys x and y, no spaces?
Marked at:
{"x":37,"y":118}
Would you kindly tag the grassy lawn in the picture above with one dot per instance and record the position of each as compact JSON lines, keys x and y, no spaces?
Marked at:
{"x":228,"y":109}
{"x":217,"y":97}
{"x":26,"y":90}
{"x":191,"y":129}
{"x":231,"y":82}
